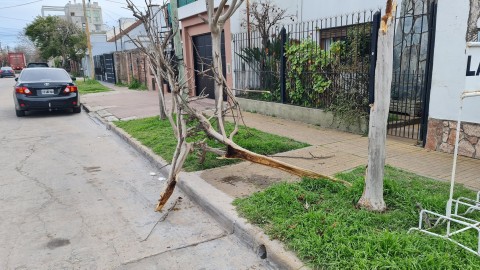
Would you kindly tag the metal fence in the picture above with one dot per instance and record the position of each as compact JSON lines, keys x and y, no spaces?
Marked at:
{"x":312,"y":64}
{"x":412,"y":67}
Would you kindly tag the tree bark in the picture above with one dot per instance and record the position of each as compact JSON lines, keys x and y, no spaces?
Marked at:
{"x":179,"y":97}
{"x":372,"y":197}
{"x":161,"y":96}
{"x":216,"y":34}
{"x":235,"y":151}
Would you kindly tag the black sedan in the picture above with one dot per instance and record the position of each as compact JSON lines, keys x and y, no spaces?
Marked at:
{"x":7,"y":72}
{"x":45,"y":89}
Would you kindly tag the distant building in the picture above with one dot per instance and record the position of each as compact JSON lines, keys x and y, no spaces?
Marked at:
{"x":74,"y":13}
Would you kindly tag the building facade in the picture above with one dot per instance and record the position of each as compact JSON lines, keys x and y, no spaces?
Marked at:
{"x":434,"y":40}
{"x":73,"y":12}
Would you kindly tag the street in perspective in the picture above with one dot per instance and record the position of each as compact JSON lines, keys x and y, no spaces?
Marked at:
{"x":75,"y":196}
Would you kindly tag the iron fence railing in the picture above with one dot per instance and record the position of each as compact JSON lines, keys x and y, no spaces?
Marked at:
{"x":412,"y":65}
{"x":323,"y":60}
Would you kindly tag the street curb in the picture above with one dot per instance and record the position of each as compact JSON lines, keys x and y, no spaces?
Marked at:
{"x":217,"y":204}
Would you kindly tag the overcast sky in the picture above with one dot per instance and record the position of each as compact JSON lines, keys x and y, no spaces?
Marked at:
{"x":16,"y":14}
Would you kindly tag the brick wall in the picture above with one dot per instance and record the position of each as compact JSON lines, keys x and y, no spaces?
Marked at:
{"x":130,"y":65}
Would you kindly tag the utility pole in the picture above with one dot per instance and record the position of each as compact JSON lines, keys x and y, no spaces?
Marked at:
{"x":115,"y":37}
{"x":120,"y":34}
{"x":89,"y":44}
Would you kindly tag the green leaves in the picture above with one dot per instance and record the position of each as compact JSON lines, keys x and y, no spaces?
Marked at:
{"x":55,"y":37}
{"x":305,"y":73}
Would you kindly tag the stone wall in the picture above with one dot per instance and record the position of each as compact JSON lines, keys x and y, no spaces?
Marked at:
{"x":441,"y":137}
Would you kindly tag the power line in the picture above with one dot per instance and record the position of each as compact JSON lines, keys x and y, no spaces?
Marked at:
{"x":23,"y":4}
{"x":116,"y":2}
{"x":9,"y":28}
{"x":14,"y":19}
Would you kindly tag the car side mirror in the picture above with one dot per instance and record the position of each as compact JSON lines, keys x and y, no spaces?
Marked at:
{"x":16,"y":79}
{"x":74,"y":79}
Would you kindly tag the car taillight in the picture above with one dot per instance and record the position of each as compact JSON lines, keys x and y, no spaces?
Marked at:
{"x":23,"y":90}
{"x":70,"y":89}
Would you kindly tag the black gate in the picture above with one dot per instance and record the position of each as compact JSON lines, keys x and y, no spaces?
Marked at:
{"x":109,"y":68}
{"x":202,"y":51}
{"x":104,"y":68}
{"x":412,"y":69}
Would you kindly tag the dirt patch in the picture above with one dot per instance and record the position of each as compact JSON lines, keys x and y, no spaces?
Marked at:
{"x":260,"y":181}
{"x":244,"y":179}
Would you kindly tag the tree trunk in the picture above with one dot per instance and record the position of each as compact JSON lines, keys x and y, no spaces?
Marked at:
{"x":372,"y":197}
{"x":179,"y":96}
{"x":178,"y":159}
{"x":161,"y":95}
{"x":218,"y":75}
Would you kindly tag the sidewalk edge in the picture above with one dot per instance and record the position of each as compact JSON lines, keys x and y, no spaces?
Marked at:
{"x":217,"y":204}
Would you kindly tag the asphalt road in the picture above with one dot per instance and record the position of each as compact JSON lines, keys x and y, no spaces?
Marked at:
{"x":74,"y":196}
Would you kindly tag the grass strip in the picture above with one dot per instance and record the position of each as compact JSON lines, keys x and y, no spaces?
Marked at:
{"x":90,"y":86}
{"x":319,"y":221}
{"x":158,"y":136}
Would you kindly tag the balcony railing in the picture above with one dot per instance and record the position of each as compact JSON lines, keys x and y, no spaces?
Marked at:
{"x":182,"y":3}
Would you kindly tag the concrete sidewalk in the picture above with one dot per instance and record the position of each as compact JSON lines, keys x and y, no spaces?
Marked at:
{"x":337,"y":151}
{"x":334,"y":152}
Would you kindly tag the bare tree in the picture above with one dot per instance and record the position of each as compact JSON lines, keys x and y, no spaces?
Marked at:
{"x":372,"y":197}
{"x":262,"y":16}
{"x":25,"y":45}
{"x":154,"y":47}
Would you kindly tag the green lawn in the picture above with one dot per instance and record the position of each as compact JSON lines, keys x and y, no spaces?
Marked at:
{"x":158,"y":136}
{"x":318,"y":220}
{"x":90,"y":86}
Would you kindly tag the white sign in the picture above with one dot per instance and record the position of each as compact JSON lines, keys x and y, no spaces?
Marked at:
{"x":472,"y":79}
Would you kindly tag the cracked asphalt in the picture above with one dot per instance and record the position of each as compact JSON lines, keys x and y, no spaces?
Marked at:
{"x":75,"y":196}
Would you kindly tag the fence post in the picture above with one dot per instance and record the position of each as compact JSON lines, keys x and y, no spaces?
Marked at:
{"x":283,"y":65}
{"x":373,"y":57}
{"x":432,"y":24}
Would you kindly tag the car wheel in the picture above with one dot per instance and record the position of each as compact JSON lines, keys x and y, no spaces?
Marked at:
{"x":19,"y":113}
{"x":77,"y":109}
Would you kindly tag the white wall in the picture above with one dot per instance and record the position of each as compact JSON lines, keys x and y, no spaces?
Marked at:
{"x":124,"y":43}
{"x":306,"y":10}
{"x":302,"y":10}
{"x":449,"y":67}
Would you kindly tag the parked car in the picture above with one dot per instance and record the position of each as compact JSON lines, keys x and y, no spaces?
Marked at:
{"x":37,"y":64}
{"x":45,"y":89}
{"x":7,"y":72}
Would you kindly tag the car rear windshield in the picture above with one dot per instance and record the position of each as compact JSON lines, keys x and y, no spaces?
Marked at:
{"x":37,"y":65}
{"x":51,"y":75}
{"x":6,"y":68}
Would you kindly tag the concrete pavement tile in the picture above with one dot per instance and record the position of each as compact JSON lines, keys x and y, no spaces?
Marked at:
{"x":104,"y":113}
{"x":111,"y":118}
